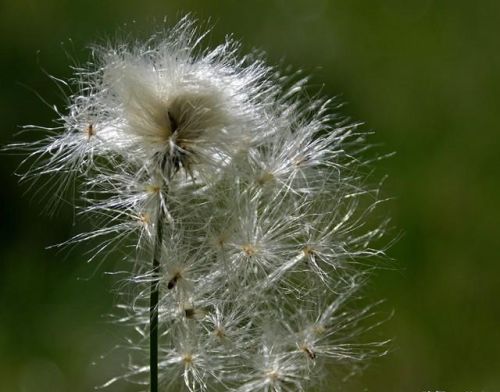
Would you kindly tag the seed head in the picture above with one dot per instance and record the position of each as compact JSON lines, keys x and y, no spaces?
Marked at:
{"x":247,"y":194}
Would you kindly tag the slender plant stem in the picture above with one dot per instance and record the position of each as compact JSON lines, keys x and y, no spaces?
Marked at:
{"x":153,"y":304}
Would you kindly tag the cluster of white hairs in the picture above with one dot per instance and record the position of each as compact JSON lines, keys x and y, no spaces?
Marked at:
{"x":242,"y":203}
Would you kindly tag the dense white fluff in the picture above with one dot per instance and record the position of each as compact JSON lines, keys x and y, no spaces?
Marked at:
{"x":248,"y":194}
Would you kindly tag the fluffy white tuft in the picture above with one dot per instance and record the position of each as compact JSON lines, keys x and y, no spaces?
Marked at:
{"x":267,"y":227}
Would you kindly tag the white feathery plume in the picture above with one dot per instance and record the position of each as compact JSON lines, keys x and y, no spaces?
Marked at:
{"x":248,"y":196}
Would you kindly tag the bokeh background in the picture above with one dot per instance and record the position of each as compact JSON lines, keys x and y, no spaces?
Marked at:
{"x":423,"y":74}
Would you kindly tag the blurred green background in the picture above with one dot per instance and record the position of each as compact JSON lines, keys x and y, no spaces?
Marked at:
{"x":423,"y":74}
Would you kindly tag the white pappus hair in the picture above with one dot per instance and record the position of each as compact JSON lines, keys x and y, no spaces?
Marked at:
{"x":251,"y":198}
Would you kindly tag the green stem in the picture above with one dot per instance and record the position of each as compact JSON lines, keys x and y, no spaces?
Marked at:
{"x":153,"y":304}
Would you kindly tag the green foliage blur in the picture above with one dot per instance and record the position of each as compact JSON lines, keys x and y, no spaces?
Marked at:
{"x":423,"y":74}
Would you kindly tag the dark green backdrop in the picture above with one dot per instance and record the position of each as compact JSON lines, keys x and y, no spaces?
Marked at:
{"x":423,"y":74}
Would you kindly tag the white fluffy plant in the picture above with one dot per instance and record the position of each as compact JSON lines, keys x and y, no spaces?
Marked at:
{"x":240,"y":201}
